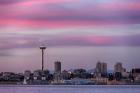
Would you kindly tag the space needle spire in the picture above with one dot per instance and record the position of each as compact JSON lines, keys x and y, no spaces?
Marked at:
{"x":42,"y":49}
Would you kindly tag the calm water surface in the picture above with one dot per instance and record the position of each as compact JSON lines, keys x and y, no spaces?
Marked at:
{"x":71,"y":89}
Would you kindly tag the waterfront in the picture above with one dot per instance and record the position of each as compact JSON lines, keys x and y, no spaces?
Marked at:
{"x":70,"y":89}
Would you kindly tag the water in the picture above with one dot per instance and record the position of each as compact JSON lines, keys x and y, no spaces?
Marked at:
{"x":71,"y":89}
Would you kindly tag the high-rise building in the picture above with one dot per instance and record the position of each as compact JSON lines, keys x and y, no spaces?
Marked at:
{"x":57,"y":73}
{"x":118,"y":67}
{"x":104,"y":68}
{"x":119,"y":71}
{"x":98,"y":67}
{"x":101,"y":68}
{"x":57,"y":67}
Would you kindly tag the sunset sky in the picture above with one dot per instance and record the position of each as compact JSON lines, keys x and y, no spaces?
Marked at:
{"x":76,"y":32}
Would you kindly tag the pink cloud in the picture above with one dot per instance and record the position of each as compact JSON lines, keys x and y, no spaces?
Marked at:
{"x":99,"y":15}
{"x":119,"y":6}
{"x":60,"y":23}
{"x":37,"y":2}
{"x":68,"y":40}
{"x":99,"y":40}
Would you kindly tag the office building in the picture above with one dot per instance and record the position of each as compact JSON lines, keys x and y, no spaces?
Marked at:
{"x":101,"y":69}
{"x":57,"y":73}
{"x":119,"y":68}
{"x":57,"y":66}
{"x":104,"y":68}
{"x":98,"y":67}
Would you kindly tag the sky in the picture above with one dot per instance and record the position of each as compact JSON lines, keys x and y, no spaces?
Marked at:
{"x":76,"y":32}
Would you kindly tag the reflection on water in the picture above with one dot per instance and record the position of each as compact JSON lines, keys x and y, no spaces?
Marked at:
{"x":71,"y":89}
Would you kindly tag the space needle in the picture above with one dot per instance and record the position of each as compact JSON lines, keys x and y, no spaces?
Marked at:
{"x":42,"y":49}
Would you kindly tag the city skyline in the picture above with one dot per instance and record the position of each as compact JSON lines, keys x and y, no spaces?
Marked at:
{"x":76,"y":32}
{"x":47,"y":66}
{"x":100,"y":67}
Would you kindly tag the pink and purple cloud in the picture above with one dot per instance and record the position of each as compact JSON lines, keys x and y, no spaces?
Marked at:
{"x":69,"y":13}
{"x":26,"y":24}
